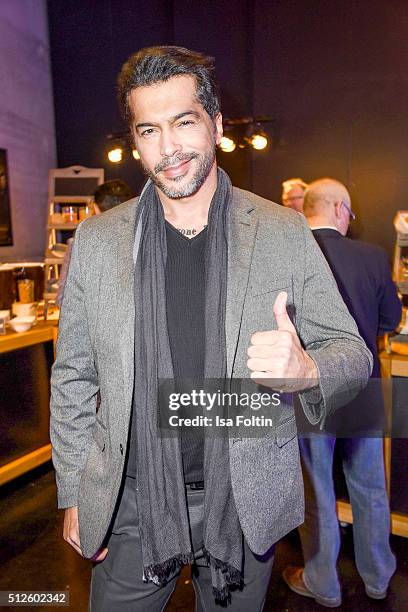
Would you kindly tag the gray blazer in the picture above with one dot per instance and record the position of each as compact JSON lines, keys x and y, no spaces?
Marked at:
{"x":270,"y":249}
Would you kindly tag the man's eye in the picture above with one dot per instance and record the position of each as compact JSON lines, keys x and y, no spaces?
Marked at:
{"x":186,"y":122}
{"x":147,"y":132}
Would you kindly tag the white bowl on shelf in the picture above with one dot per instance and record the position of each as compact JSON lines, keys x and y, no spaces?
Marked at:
{"x":21,"y":324}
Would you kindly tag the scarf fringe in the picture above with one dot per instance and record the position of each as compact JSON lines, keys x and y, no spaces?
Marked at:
{"x":232,"y":576}
{"x":159,"y":573}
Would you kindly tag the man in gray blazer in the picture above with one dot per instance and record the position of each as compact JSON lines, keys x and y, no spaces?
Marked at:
{"x":194,"y":279}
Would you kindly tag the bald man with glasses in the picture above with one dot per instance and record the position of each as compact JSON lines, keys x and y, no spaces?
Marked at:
{"x":365,"y":283}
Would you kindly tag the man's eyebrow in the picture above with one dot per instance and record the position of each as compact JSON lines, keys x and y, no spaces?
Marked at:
{"x":172,"y":119}
{"x":180,"y":115}
{"x":141,"y":125}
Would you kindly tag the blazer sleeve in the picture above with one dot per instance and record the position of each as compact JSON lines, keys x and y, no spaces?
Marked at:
{"x":390,"y":307}
{"x":330,"y":336}
{"x":74,"y":386}
{"x":64,"y":272}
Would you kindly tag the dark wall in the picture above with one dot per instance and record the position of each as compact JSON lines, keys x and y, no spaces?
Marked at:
{"x":335,"y":74}
{"x":332,"y":74}
{"x":91,"y":39}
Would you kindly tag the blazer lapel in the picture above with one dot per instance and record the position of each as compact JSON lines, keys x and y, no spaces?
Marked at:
{"x":240,"y":248}
{"x":125,"y":305}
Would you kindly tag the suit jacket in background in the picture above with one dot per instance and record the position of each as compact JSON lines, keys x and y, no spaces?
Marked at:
{"x":364,"y":280}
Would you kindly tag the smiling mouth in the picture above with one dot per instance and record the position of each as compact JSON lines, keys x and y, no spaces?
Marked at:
{"x":178,"y":170}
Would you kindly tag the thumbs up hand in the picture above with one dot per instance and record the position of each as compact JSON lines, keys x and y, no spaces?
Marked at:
{"x":278,"y":354}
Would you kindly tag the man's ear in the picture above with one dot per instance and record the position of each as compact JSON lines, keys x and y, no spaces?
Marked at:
{"x":337,"y":208}
{"x":218,"y":128}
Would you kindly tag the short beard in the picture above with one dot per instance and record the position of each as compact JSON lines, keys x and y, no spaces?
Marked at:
{"x":205,"y":162}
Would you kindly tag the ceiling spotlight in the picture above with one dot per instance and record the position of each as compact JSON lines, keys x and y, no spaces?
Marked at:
{"x":115,"y":155}
{"x":227,"y":144}
{"x":259,"y":141}
{"x":135,"y":153}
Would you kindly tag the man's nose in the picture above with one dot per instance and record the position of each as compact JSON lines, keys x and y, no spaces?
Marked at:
{"x":169,"y":144}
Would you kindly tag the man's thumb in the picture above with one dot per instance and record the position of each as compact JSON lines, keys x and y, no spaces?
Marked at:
{"x":281,"y":315}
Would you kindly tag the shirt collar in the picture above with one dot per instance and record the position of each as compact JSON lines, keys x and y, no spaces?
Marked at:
{"x":331,"y":227}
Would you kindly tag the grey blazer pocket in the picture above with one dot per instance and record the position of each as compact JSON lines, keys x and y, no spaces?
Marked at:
{"x":99,"y":435}
{"x":286,"y":432}
{"x":275,"y":285}
{"x":258,"y":311}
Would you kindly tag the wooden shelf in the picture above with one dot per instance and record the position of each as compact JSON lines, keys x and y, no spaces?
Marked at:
{"x":54,"y":261}
{"x":42,"y":332}
{"x":63,"y":226}
{"x":72,"y":199}
{"x":73,"y":179}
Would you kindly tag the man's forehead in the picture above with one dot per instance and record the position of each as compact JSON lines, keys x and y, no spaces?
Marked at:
{"x":294,"y":189}
{"x":165,"y":98}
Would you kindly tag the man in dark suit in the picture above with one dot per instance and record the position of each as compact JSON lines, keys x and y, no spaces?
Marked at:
{"x":363,"y":278}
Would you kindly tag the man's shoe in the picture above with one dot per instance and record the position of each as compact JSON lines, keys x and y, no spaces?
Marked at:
{"x":293,"y":576}
{"x":376,"y":594}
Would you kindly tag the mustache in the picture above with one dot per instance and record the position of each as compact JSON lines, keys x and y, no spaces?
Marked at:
{"x":174,"y":161}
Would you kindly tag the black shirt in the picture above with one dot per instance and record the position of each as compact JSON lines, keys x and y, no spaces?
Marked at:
{"x":185,"y":305}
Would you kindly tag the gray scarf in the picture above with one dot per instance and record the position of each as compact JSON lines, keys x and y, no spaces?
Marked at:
{"x":161,"y":497}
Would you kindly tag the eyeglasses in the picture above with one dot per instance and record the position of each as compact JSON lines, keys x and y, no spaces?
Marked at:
{"x":350,"y":212}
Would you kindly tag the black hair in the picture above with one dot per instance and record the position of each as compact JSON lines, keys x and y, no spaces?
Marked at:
{"x":158,"y":64}
{"x":111,"y":194}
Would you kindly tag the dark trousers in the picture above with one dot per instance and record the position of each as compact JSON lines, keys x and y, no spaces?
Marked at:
{"x":117,"y":581}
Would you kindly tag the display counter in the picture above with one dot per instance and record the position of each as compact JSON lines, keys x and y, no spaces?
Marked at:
{"x":25,"y":365}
